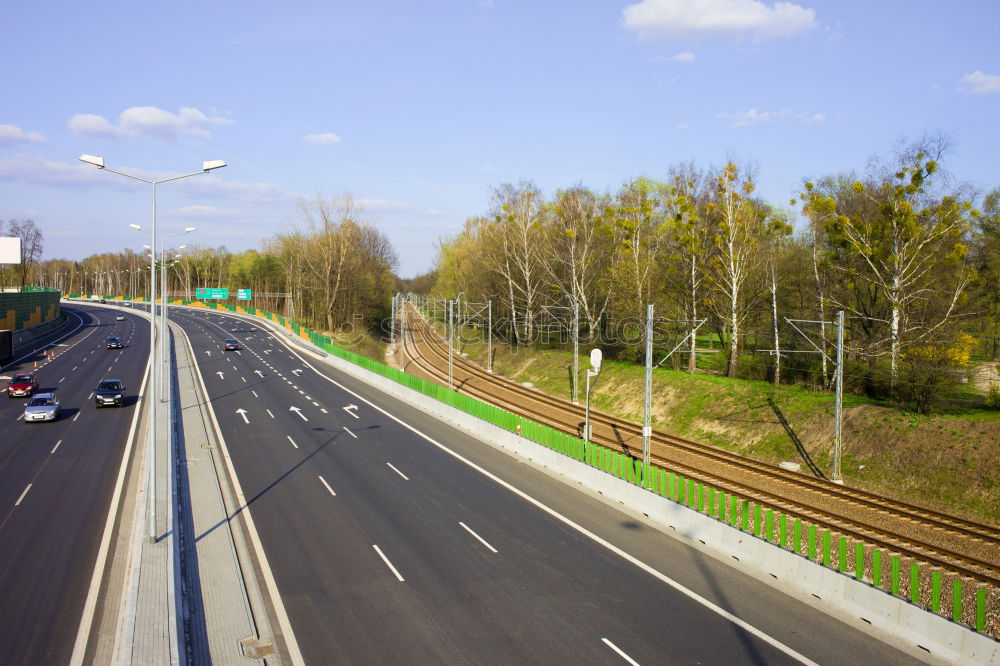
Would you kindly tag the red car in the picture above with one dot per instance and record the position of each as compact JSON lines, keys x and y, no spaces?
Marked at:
{"x":22,"y":385}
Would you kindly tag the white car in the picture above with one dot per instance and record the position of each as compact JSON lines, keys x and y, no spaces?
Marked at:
{"x":42,"y":407}
{"x":119,"y":317}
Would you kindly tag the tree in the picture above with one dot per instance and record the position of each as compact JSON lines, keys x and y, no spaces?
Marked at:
{"x":738,"y":231}
{"x":32,"y":245}
{"x":907,"y":245}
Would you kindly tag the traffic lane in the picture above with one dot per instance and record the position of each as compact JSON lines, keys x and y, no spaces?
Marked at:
{"x":26,"y":445}
{"x":580,"y":592}
{"x":52,"y":537}
{"x":422,"y":526}
{"x":796,"y":623}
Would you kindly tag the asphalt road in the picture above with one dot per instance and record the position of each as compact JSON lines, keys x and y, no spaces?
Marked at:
{"x":388,"y":548}
{"x":56,"y":482}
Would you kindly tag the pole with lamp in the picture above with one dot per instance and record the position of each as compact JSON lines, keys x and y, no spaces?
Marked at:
{"x":596,"y":356}
{"x":206,"y":167}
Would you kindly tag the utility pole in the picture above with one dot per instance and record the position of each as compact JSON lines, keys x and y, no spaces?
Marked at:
{"x":392,"y":326}
{"x":451,"y":342}
{"x":647,"y":426}
{"x":839,"y":417}
{"x":838,"y":376}
{"x":489,"y":336}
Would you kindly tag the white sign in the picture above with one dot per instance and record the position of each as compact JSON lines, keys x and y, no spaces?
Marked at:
{"x":10,"y":250}
{"x":595,"y":359}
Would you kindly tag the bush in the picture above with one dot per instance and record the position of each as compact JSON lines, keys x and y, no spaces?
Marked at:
{"x":993,"y":395}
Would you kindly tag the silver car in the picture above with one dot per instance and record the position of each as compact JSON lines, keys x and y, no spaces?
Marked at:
{"x":42,"y":407}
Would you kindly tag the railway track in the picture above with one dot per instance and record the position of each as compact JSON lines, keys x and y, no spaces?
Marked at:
{"x":966,"y":548}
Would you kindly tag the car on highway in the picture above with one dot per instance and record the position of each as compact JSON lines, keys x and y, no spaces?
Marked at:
{"x":119,"y":317}
{"x":230,"y":345}
{"x":114,"y":342}
{"x":110,"y":392}
{"x":21,"y":385}
{"x":42,"y":407}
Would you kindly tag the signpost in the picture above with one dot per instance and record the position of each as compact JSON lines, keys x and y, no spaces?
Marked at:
{"x":244,"y":294}
{"x":211,"y":292}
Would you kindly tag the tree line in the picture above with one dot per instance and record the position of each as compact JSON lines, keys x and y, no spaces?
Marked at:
{"x":329,"y":269}
{"x":900,"y":248}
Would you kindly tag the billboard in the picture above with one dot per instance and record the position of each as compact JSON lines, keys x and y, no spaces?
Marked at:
{"x":10,"y":250}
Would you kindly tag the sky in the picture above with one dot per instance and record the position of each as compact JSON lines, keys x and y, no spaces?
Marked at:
{"x":418,"y":110}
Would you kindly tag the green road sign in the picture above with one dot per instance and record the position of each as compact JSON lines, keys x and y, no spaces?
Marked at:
{"x":207,"y":292}
{"x":244,"y":294}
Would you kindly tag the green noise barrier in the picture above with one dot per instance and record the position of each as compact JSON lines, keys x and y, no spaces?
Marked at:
{"x":726,"y":507}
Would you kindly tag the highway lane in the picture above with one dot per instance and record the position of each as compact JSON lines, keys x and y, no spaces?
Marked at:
{"x":383,"y":544}
{"x":56,"y":482}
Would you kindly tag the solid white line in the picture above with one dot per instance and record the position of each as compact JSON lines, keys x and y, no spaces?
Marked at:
{"x":620,"y":653}
{"x":18,"y":502}
{"x":327,"y":486}
{"x":55,"y":447}
{"x":387,"y":562}
{"x":397,"y":471}
{"x":292,"y":441}
{"x":481,"y":540}
{"x":350,"y":433}
{"x":269,"y":413}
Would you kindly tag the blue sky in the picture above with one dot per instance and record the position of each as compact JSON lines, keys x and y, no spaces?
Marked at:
{"x":418,"y":109}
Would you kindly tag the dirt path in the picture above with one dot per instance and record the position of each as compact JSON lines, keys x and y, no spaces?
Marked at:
{"x":984,"y":374}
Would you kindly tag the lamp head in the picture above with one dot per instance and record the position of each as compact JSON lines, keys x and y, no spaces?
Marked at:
{"x":93,"y":159}
{"x":188,"y":230}
{"x":136,"y":227}
{"x":210,"y":164}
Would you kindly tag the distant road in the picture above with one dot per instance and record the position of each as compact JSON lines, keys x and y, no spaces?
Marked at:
{"x":388,"y":549}
{"x":56,"y":481}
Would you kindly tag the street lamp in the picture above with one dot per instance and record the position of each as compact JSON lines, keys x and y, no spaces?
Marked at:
{"x":595,"y":364}
{"x":206,"y":167}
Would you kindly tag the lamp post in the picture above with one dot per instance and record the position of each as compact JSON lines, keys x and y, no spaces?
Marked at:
{"x":206,"y":167}
{"x":596,"y":356}
{"x":165,"y":308}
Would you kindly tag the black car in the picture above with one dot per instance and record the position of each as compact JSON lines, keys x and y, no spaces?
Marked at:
{"x":230,"y":345}
{"x":115,"y":343}
{"x":110,"y":392}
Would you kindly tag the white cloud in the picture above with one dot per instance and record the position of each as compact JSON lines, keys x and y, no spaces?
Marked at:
{"x":685,"y":56}
{"x":327,"y":139}
{"x":490,"y":169}
{"x":682,"y":127}
{"x":11,"y":134}
{"x":752,"y":117}
{"x":148,"y":121}
{"x":35,"y":170}
{"x":979,"y":83}
{"x":436,"y":212}
{"x":687,"y":18}
{"x":383,"y":206}
{"x":206,"y":212}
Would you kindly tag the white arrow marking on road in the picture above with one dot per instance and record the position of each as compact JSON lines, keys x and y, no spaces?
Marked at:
{"x":208,"y":351}
{"x":261,"y":374}
{"x":296,"y":372}
{"x":348,"y":410}
{"x":242,"y":412}
{"x":299,"y":412}
{"x":267,"y":351}
{"x":221,"y":376}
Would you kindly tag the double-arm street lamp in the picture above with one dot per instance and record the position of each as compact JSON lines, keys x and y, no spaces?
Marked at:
{"x":153,"y":384}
